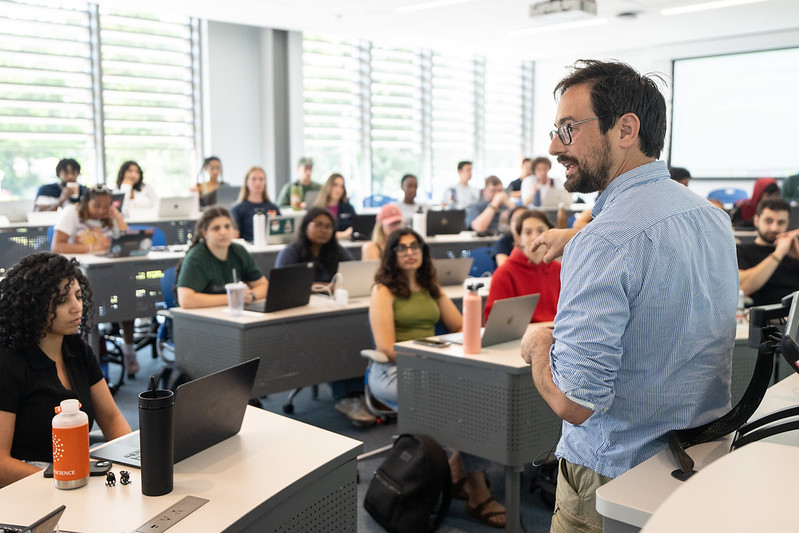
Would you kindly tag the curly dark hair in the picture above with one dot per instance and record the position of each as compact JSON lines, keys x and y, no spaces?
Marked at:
{"x":390,"y":275}
{"x":30,"y":293}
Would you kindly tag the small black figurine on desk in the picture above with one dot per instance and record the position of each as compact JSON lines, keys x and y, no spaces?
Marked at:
{"x":124,"y":477}
{"x":110,"y":479}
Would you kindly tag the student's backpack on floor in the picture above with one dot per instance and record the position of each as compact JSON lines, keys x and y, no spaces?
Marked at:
{"x":412,"y":489}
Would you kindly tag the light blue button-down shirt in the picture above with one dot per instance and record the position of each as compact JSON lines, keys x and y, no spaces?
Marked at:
{"x":646,"y":320}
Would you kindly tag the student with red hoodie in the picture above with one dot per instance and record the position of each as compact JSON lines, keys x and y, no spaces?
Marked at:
{"x":524,"y":272}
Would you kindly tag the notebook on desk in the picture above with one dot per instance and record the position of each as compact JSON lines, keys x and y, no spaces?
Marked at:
{"x":358,"y":276}
{"x":207,"y":411}
{"x":289,"y":286}
{"x":453,"y":271}
{"x":447,"y":222}
{"x":175,"y":206}
{"x":508,"y":321}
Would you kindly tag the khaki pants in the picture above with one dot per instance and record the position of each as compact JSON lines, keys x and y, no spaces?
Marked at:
{"x":575,"y":500}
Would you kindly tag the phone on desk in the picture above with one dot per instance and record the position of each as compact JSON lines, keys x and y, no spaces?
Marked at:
{"x":433,"y":343}
{"x":96,"y":468}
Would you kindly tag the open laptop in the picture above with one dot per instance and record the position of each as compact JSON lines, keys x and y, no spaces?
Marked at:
{"x":362,"y":226}
{"x":130,"y":243}
{"x":46,"y":524}
{"x":450,"y":221}
{"x":310,"y":198}
{"x":175,"y":206}
{"x":358,"y":276}
{"x":453,"y":271}
{"x":554,"y":196}
{"x":227,"y":195}
{"x":508,"y":321}
{"x":207,"y":411}
{"x":281,"y":229}
{"x":118,"y":200}
{"x":16,"y":210}
{"x":289,"y":286}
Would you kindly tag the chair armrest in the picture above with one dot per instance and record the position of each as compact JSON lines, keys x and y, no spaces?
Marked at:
{"x":375,"y":355}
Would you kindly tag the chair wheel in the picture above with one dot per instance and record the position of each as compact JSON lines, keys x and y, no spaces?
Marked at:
{"x":288,"y":408}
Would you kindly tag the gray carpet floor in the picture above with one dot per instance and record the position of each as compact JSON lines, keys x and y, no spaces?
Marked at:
{"x":320,"y":412}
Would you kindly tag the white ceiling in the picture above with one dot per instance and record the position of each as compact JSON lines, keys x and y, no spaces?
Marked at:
{"x":487,"y":27}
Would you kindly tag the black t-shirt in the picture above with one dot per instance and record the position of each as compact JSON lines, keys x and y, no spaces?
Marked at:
{"x":515,"y":185}
{"x":30,"y":388}
{"x":784,"y":281}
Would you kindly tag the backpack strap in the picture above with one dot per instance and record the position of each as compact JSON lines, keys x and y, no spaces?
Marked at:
{"x":679,"y":440}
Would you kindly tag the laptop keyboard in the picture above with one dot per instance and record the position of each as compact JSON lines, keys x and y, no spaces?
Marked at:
{"x":8,"y":528}
{"x":135,"y":455}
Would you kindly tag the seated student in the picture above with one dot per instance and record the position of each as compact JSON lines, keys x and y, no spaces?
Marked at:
{"x":52,"y":196}
{"x":460,"y":195}
{"x":406,"y":303}
{"x":485,"y":215}
{"x":293,"y":193}
{"x":45,"y":304}
{"x":769,"y":267}
{"x":408,"y":206}
{"x":333,"y":196}
{"x":212,"y":169}
{"x":130,"y":180}
{"x":87,"y":227}
{"x":743,"y":212}
{"x":252,"y":198}
{"x":525,"y":271}
{"x":213,"y":260}
{"x":514,"y":189}
{"x":503,"y":246}
{"x":316,"y":242}
{"x":388,"y":219}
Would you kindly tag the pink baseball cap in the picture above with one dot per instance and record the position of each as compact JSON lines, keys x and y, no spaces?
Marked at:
{"x":389,"y":213}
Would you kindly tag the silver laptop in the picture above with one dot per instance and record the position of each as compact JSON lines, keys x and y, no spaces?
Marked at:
{"x":453,"y":271}
{"x":207,"y":411}
{"x":554,"y":196}
{"x":16,"y":210}
{"x":508,"y":321}
{"x":46,"y":524}
{"x":175,"y":206}
{"x":310,"y":198}
{"x":358,"y":276}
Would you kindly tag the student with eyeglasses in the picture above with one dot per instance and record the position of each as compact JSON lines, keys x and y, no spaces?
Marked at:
{"x":316,"y":243}
{"x":87,"y":227}
{"x":406,"y":303}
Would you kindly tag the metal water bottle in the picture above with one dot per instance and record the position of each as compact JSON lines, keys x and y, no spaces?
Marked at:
{"x":472,"y":319}
{"x":259,"y":229}
{"x":70,"y":446}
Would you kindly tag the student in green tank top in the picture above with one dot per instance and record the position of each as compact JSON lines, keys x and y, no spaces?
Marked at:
{"x":407,"y":302}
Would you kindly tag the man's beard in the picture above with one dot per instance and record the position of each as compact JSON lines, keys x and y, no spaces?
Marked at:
{"x":764,"y":236}
{"x":590,"y":176}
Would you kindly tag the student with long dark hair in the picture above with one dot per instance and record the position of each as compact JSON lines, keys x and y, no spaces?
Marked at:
{"x":213,"y":260}
{"x":130,"y":180}
{"x":45,"y":305}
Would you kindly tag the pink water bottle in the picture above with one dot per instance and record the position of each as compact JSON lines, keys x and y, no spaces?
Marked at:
{"x":70,"y":446}
{"x":472,"y":319}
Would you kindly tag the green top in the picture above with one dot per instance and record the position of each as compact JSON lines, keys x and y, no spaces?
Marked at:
{"x":203,"y":272}
{"x":415,"y":317}
{"x":284,"y":198}
{"x":790,"y":188}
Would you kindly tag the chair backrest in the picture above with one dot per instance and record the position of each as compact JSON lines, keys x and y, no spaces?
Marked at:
{"x":483,"y":262}
{"x":377,"y":200}
{"x":168,"y":287}
{"x":50,"y":232}
{"x":159,"y":237}
{"x":728,"y":195}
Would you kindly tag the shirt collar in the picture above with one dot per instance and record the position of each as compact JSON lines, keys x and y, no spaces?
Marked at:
{"x":642,"y":175}
{"x":38,"y":360}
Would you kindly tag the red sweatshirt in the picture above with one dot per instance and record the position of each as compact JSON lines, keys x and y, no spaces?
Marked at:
{"x":518,"y":276}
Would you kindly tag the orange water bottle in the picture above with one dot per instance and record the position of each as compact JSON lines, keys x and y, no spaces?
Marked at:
{"x":70,"y":446}
{"x":472,"y":319}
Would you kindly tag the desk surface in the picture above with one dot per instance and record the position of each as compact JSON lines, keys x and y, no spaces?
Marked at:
{"x":252,"y":472}
{"x":634,"y":496}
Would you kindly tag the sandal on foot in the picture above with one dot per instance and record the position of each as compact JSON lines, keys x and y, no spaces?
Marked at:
{"x":480,"y":513}
{"x":459,"y":489}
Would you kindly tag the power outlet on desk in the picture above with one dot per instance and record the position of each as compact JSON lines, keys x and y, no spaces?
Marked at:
{"x":171,"y":516}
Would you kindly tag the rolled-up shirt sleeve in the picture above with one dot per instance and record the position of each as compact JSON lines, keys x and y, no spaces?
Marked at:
{"x":593,"y":313}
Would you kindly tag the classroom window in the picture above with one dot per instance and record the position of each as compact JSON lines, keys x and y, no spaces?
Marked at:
{"x":99,"y":85}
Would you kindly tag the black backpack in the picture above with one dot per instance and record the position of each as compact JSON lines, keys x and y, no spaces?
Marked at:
{"x":412,"y":489}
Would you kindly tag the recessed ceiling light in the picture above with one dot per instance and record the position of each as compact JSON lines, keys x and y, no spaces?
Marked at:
{"x":706,"y":6}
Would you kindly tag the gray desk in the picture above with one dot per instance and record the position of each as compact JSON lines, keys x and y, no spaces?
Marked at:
{"x":483,"y":404}
{"x":277,"y":475}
